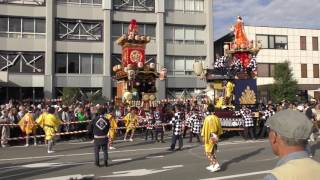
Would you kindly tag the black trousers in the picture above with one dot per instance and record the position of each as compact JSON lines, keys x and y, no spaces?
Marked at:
{"x":174,"y":140}
{"x":194,"y":134}
{"x":97,"y":148}
{"x":159,"y":132}
{"x":247,"y":131}
{"x":147,"y":133}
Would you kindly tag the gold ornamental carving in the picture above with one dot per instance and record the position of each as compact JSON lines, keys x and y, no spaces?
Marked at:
{"x":248,"y":96}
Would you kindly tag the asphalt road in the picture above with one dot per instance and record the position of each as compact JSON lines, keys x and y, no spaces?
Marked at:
{"x":139,"y":160}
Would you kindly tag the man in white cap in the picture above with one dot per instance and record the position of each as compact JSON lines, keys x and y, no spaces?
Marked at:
{"x":289,"y":131}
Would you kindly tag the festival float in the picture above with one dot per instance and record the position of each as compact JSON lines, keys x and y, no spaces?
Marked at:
{"x":136,"y":80}
{"x":232,"y":81}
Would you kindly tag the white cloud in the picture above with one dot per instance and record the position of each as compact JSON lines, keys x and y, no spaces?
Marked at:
{"x":278,"y":13}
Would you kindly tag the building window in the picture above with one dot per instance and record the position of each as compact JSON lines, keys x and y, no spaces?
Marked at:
{"x":316,"y":71}
{"x":25,"y":2}
{"x":22,"y":62}
{"x":315,"y":44}
{"x":74,"y":63}
{"x":181,"y":65}
{"x":303,"y":43}
{"x":134,"y":5}
{"x":119,"y":28}
{"x":265,"y":70}
{"x":186,"y":6}
{"x":185,"y":34}
{"x":304,"y":72}
{"x":82,"y":30}
{"x":273,"y":41}
{"x":18,"y":27}
{"x":81,"y":2}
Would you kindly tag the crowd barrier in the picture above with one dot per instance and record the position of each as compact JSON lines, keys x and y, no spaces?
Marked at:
{"x":68,"y":133}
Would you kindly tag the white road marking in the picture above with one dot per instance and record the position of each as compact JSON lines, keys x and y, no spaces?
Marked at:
{"x":239,"y":175}
{"x":119,"y":160}
{"x":154,"y":157}
{"x":84,"y":154}
{"x":43,"y":165}
{"x":171,"y":167}
{"x":141,"y":172}
{"x":75,"y":176}
{"x":133,"y":150}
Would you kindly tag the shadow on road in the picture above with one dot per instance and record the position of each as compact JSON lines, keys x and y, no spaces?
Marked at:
{"x":148,"y":155}
{"x":225,"y":165}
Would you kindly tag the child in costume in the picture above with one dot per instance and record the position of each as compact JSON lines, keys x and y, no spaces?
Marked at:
{"x":149,"y":124}
{"x":28,"y":126}
{"x":50,"y":123}
{"x":131,"y":120}
{"x":211,"y":130}
{"x":113,"y":129}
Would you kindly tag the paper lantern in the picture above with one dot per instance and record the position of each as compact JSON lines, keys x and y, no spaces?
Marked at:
{"x":152,"y":65}
{"x":148,"y":38}
{"x":140,"y":65}
{"x":137,"y":83}
{"x":137,"y":38}
{"x":127,"y":96}
{"x":197,"y":68}
{"x":226,"y":47}
{"x":152,"y":97}
{"x":145,"y":97}
{"x":119,"y":67}
{"x":143,"y":38}
{"x":114,"y":68}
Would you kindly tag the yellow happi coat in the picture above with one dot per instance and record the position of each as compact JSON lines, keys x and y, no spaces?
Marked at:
{"x":27,"y":123}
{"x":113,"y":126}
{"x":131,"y":121}
{"x":211,"y":124}
{"x":49,"y":123}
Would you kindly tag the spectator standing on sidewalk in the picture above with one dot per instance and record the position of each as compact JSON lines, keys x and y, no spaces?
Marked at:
{"x":289,"y":131}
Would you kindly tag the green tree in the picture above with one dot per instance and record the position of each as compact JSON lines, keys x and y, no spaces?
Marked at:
{"x":285,"y":87}
{"x":69,"y":95}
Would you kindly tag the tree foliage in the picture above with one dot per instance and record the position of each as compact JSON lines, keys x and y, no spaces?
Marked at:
{"x":69,"y":95}
{"x":285,"y":87}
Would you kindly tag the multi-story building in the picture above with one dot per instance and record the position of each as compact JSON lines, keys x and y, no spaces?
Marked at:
{"x":300,"y":47}
{"x":50,"y":44}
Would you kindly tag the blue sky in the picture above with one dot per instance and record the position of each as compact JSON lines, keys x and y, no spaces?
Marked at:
{"x":277,"y":13}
